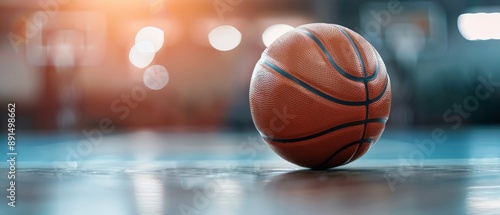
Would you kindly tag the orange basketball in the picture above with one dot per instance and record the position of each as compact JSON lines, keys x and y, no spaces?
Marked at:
{"x":320,"y":96}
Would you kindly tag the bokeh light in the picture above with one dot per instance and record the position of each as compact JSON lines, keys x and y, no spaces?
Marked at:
{"x":156,"y":77}
{"x":141,"y":55}
{"x":274,"y":32}
{"x":224,"y":38}
{"x":479,"y":26}
{"x":150,"y":34}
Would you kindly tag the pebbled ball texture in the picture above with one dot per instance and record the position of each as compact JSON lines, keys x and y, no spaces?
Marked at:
{"x":320,"y":96}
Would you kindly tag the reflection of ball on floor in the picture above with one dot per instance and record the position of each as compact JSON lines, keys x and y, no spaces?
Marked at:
{"x":320,"y":96}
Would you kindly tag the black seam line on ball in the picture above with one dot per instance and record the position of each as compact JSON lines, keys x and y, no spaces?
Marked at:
{"x":358,"y":53}
{"x":369,"y":140}
{"x":381,"y":94}
{"x":319,"y":93}
{"x":367,"y":98}
{"x":338,"y":127}
{"x":311,"y":89}
{"x":377,"y":66}
{"x":330,"y":59}
{"x":335,"y":65}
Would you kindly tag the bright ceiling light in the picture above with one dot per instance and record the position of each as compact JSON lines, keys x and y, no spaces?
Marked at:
{"x":224,"y":38}
{"x":274,"y":32}
{"x":479,"y":26}
{"x":141,"y":54}
{"x":150,"y":34}
{"x":155,"y":77}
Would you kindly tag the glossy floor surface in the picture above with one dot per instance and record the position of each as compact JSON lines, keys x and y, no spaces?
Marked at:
{"x":149,"y":173}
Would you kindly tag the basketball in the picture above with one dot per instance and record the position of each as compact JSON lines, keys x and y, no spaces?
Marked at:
{"x":320,"y":96}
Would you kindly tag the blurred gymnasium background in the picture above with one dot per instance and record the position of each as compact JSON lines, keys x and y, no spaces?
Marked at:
{"x":80,"y":69}
{"x":68,"y":64}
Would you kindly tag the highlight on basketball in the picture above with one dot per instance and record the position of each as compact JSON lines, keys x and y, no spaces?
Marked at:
{"x":275,"y":107}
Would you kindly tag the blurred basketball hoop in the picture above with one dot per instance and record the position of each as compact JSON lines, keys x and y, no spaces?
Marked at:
{"x":67,"y":39}
{"x":407,"y":42}
{"x":63,"y":47}
{"x":405,"y":31}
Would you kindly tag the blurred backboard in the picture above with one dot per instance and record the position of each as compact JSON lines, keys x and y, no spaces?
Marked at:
{"x":65,"y":38}
{"x":405,"y":31}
